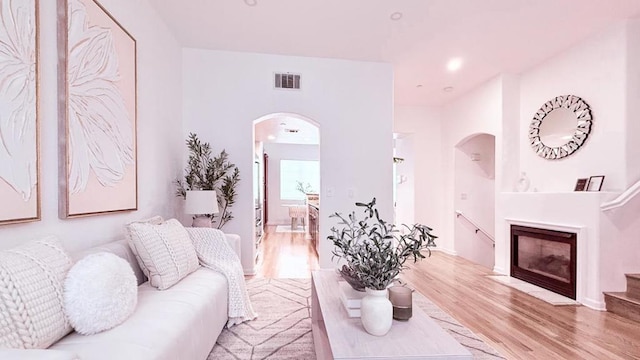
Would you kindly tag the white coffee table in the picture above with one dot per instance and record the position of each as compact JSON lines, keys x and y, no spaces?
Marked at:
{"x":336,"y":336}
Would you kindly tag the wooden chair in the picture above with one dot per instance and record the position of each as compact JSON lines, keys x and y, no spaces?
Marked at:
{"x":295,"y":213}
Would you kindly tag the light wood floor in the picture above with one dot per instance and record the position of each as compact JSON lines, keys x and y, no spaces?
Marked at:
{"x":518,"y":325}
{"x":286,"y":255}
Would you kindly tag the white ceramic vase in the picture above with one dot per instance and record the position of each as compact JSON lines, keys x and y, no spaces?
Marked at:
{"x":376,"y":312}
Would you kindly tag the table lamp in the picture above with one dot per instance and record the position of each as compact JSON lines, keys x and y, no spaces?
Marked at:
{"x":201,"y":203}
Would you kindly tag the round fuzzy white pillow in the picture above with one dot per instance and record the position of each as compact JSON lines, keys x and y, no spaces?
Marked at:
{"x":100,"y":292}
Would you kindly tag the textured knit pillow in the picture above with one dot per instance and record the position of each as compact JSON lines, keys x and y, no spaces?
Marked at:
{"x":156,"y":220}
{"x":164,"y":252}
{"x":31,"y":294}
{"x":100,"y":292}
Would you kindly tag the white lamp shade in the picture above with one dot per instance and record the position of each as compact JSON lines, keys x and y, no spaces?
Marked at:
{"x":201,"y":202}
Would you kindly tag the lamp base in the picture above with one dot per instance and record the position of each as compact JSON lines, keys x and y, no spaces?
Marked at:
{"x":201,"y":221}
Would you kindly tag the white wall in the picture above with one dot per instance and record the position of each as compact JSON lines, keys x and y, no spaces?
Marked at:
{"x":405,"y":181}
{"x":278,"y":213}
{"x":423,"y":127}
{"x":159,"y":120}
{"x":632,"y":95}
{"x":594,"y":70}
{"x":475,"y":198}
{"x":352,"y":101}
{"x":603,"y":71}
{"x":477,"y":112}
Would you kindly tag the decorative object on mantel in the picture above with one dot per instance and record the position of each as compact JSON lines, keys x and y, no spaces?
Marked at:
{"x":205,"y":173}
{"x":595,"y":183}
{"x":581,"y":184}
{"x":375,"y":252}
{"x":523,"y":183}
{"x":202,"y":204}
{"x":560,"y":127}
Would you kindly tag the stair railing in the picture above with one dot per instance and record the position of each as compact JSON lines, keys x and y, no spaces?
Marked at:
{"x":478,"y":228}
{"x":623,"y":198}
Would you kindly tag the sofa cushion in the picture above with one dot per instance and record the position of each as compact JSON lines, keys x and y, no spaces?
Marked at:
{"x":31,"y":294}
{"x":182,"y":322}
{"x":164,"y":251}
{"x":120,"y":248}
{"x":100,"y":292}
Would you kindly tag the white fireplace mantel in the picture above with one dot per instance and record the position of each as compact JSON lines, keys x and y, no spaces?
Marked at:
{"x":571,"y":212}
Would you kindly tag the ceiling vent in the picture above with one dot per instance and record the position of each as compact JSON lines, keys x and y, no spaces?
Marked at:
{"x":287,"y":81}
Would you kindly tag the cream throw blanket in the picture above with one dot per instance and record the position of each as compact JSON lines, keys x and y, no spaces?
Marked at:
{"x":215,"y":253}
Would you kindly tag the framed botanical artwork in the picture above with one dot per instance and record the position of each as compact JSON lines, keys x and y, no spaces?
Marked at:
{"x":98,"y":111}
{"x":581,"y":184}
{"x":19,"y":133}
{"x":595,"y":183}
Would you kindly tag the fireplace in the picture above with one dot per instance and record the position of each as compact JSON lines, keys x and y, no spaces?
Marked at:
{"x":546,"y":258}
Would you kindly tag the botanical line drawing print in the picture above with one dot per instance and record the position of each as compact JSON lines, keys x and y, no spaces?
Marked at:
{"x":101,"y":137}
{"x":18,"y":149}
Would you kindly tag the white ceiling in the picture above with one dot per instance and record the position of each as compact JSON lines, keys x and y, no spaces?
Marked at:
{"x":278,"y":129}
{"x":491,"y":36}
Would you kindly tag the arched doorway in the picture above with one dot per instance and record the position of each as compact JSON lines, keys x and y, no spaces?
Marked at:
{"x":474,"y":201}
{"x":286,"y":180}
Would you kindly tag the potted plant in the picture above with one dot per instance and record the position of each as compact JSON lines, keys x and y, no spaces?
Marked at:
{"x":206,"y":173}
{"x":375,"y":252}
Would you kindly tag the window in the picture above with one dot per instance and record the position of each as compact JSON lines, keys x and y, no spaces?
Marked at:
{"x":293,"y":171}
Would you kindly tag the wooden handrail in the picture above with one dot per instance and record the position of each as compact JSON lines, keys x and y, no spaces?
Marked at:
{"x":478,"y":228}
{"x":622,"y":199}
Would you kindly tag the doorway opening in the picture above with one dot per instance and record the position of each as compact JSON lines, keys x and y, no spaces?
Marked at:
{"x":475,"y":199}
{"x":286,"y":190}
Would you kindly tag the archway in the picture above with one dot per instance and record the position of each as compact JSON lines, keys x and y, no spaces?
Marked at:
{"x":286,"y":178}
{"x":474,"y":202}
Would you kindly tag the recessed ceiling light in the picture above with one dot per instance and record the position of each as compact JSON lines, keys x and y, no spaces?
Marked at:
{"x":454,"y":64}
{"x":251,"y":2}
{"x":396,"y":16}
{"x":448,"y":89}
{"x":271,"y":137}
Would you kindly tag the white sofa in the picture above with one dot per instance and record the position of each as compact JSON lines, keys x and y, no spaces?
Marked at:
{"x":182,"y":322}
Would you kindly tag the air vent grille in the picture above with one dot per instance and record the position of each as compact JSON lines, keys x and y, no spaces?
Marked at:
{"x":287,"y":81}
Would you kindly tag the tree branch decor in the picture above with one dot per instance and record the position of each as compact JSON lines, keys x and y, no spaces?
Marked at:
{"x":206,"y":173}
{"x":375,"y":250}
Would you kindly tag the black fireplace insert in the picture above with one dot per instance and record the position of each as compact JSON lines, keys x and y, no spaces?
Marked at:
{"x":546,"y":258}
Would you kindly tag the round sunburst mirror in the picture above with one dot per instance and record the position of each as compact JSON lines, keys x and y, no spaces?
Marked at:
{"x":560,"y":127}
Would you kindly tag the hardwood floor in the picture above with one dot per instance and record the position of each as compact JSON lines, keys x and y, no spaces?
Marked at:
{"x":286,"y":255}
{"x":518,"y":325}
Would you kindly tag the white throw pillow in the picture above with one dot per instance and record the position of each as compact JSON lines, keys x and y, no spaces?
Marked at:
{"x":100,"y":293}
{"x":31,"y":294}
{"x":165,"y":252}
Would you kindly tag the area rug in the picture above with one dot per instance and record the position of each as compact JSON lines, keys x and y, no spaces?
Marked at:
{"x":287,"y":229}
{"x":533,"y":290}
{"x":283,"y":327}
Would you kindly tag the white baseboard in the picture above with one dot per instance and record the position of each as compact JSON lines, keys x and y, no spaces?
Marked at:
{"x":249,"y":272}
{"x":594,"y":304}
{"x":499,"y":270}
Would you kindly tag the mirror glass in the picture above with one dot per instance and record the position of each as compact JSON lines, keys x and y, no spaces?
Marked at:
{"x":557,"y":127}
{"x":560,"y":127}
